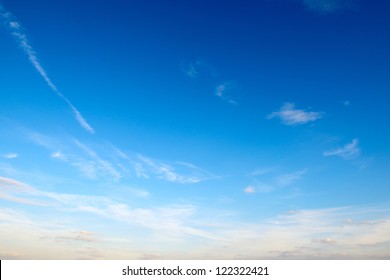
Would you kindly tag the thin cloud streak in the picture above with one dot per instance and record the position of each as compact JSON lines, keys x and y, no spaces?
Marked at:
{"x":347,"y":152}
{"x":189,"y":174}
{"x":10,"y":155}
{"x":21,"y":38}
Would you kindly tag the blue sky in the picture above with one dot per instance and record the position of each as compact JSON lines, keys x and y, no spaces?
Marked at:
{"x":194,"y":129}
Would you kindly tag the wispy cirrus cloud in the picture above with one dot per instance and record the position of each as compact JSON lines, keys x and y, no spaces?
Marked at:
{"x":15,"y":191}
{"x":291,"y":116}
{"x":82,"y":235}
{"x":10,"y":155}
{"x":289,"y":178}
{"x":179,"y":172}
{"x":197,"y":68}
{"x":107,"y":162}
{"x":89,"y":163}
{"x":275,"y":183}
{"x":17,"y":32}
{"x":330,"y":233}
{"x":221,"y":92}
{"x":171,"y":218}
{"x":347,"y":152}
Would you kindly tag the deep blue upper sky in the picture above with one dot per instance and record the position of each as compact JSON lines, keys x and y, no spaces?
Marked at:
{"x":245,"y":109}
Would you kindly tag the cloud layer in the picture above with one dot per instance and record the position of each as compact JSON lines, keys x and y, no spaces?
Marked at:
{"x":180,"y":232}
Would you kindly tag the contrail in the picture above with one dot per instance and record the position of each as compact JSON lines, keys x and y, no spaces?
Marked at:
{"x":15,"y":27}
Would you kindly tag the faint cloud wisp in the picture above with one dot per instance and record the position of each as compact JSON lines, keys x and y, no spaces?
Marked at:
{"x":221,"y":90}
{"x":10,"y":155}
{"x":347,"y":152}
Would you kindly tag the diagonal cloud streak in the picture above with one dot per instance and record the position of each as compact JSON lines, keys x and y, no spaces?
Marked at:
{"x":15,"y":27}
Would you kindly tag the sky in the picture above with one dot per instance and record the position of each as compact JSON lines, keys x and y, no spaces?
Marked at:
{"x":251,"y":129}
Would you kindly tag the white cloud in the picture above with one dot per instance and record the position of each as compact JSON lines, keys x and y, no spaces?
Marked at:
{"x":347,"y":152}
{"x":329,"y":233}
{"x":167,"y":220}
{"x":221,"y":90}
{"x":182,"y":173}
{"x":16,"y":31}
{"x":90,"y":164}
{"x":14,"y":24}
{"x":250,"y":189}
{"x":19,"y":192}
{"x":10,"y":155}
{"x":8,"y":183}
{"x":58,"y":155}
{"x":291,"y":116}
{"x":168,"y":173}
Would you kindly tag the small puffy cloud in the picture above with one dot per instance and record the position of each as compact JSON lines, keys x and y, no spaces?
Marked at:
{"x":249,"y":189}
{"x":10,"y":155}
{"x":291,"y":116}
{"x":20,"y":192}
{"x":347,"y":152}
